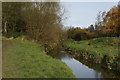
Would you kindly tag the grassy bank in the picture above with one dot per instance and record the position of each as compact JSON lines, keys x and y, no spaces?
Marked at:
{"x":104,"y":50}
{"x":24,"y":59}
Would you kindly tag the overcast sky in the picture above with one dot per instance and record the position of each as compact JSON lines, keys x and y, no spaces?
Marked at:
{"x":82,"y":14}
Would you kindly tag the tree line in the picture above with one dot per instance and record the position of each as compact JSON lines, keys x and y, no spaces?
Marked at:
{"x":41,"y":21}
{"x":107,"y":25}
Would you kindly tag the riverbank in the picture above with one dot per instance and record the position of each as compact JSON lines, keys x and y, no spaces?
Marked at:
{"x":104,"y":51}
{"x":25,"y":59}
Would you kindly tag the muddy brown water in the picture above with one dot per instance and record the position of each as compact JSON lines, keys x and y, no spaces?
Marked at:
{"x":83,"y":69}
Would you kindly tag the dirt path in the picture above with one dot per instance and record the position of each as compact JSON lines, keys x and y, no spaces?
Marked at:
{"x":7,"y":62}
{"x":6,"y":44}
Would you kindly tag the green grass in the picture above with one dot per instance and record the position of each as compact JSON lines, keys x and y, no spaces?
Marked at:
{"x":101,"y":46}
{"x":24,"y":59}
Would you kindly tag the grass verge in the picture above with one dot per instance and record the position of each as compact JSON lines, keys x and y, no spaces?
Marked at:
{"x":24,"y":59}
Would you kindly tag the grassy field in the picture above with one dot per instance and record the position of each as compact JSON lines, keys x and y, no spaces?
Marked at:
{"x":98,"y":49}
{"x":24,"y":59}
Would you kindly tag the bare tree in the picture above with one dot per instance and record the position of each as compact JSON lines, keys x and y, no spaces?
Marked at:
{"x":44,"y":22}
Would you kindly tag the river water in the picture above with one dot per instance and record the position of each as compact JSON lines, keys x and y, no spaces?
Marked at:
{"x":83,"y":69}
{"x":80,"y":70}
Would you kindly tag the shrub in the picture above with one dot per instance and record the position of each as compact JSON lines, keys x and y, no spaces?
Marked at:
{"x":13,"y":34}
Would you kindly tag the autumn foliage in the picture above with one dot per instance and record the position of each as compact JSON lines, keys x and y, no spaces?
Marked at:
{"x":109,"y":24}
{"x":80,"y":34}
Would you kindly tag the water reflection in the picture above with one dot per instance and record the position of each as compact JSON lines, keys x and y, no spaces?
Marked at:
{"x":81,"y":68}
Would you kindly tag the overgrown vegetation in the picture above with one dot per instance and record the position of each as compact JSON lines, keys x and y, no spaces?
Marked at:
{"x":24,"y":59}
{"x":102,"y":50}
{"x":41,"y":21}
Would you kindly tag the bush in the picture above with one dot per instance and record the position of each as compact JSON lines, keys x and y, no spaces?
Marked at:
{"x":80,"y":34}
{"x":13,"y":34}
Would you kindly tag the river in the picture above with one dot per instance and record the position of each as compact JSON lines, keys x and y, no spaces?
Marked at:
{"x":83,"y":69}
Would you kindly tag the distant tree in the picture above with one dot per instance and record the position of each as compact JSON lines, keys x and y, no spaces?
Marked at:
{"x":70,"y":33}
{"x":112,"y":20}
{"x":108,"y":23}
{"x":80,"y":34}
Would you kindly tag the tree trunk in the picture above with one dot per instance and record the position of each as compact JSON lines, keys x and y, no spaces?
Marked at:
{"x":5,"y":27}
